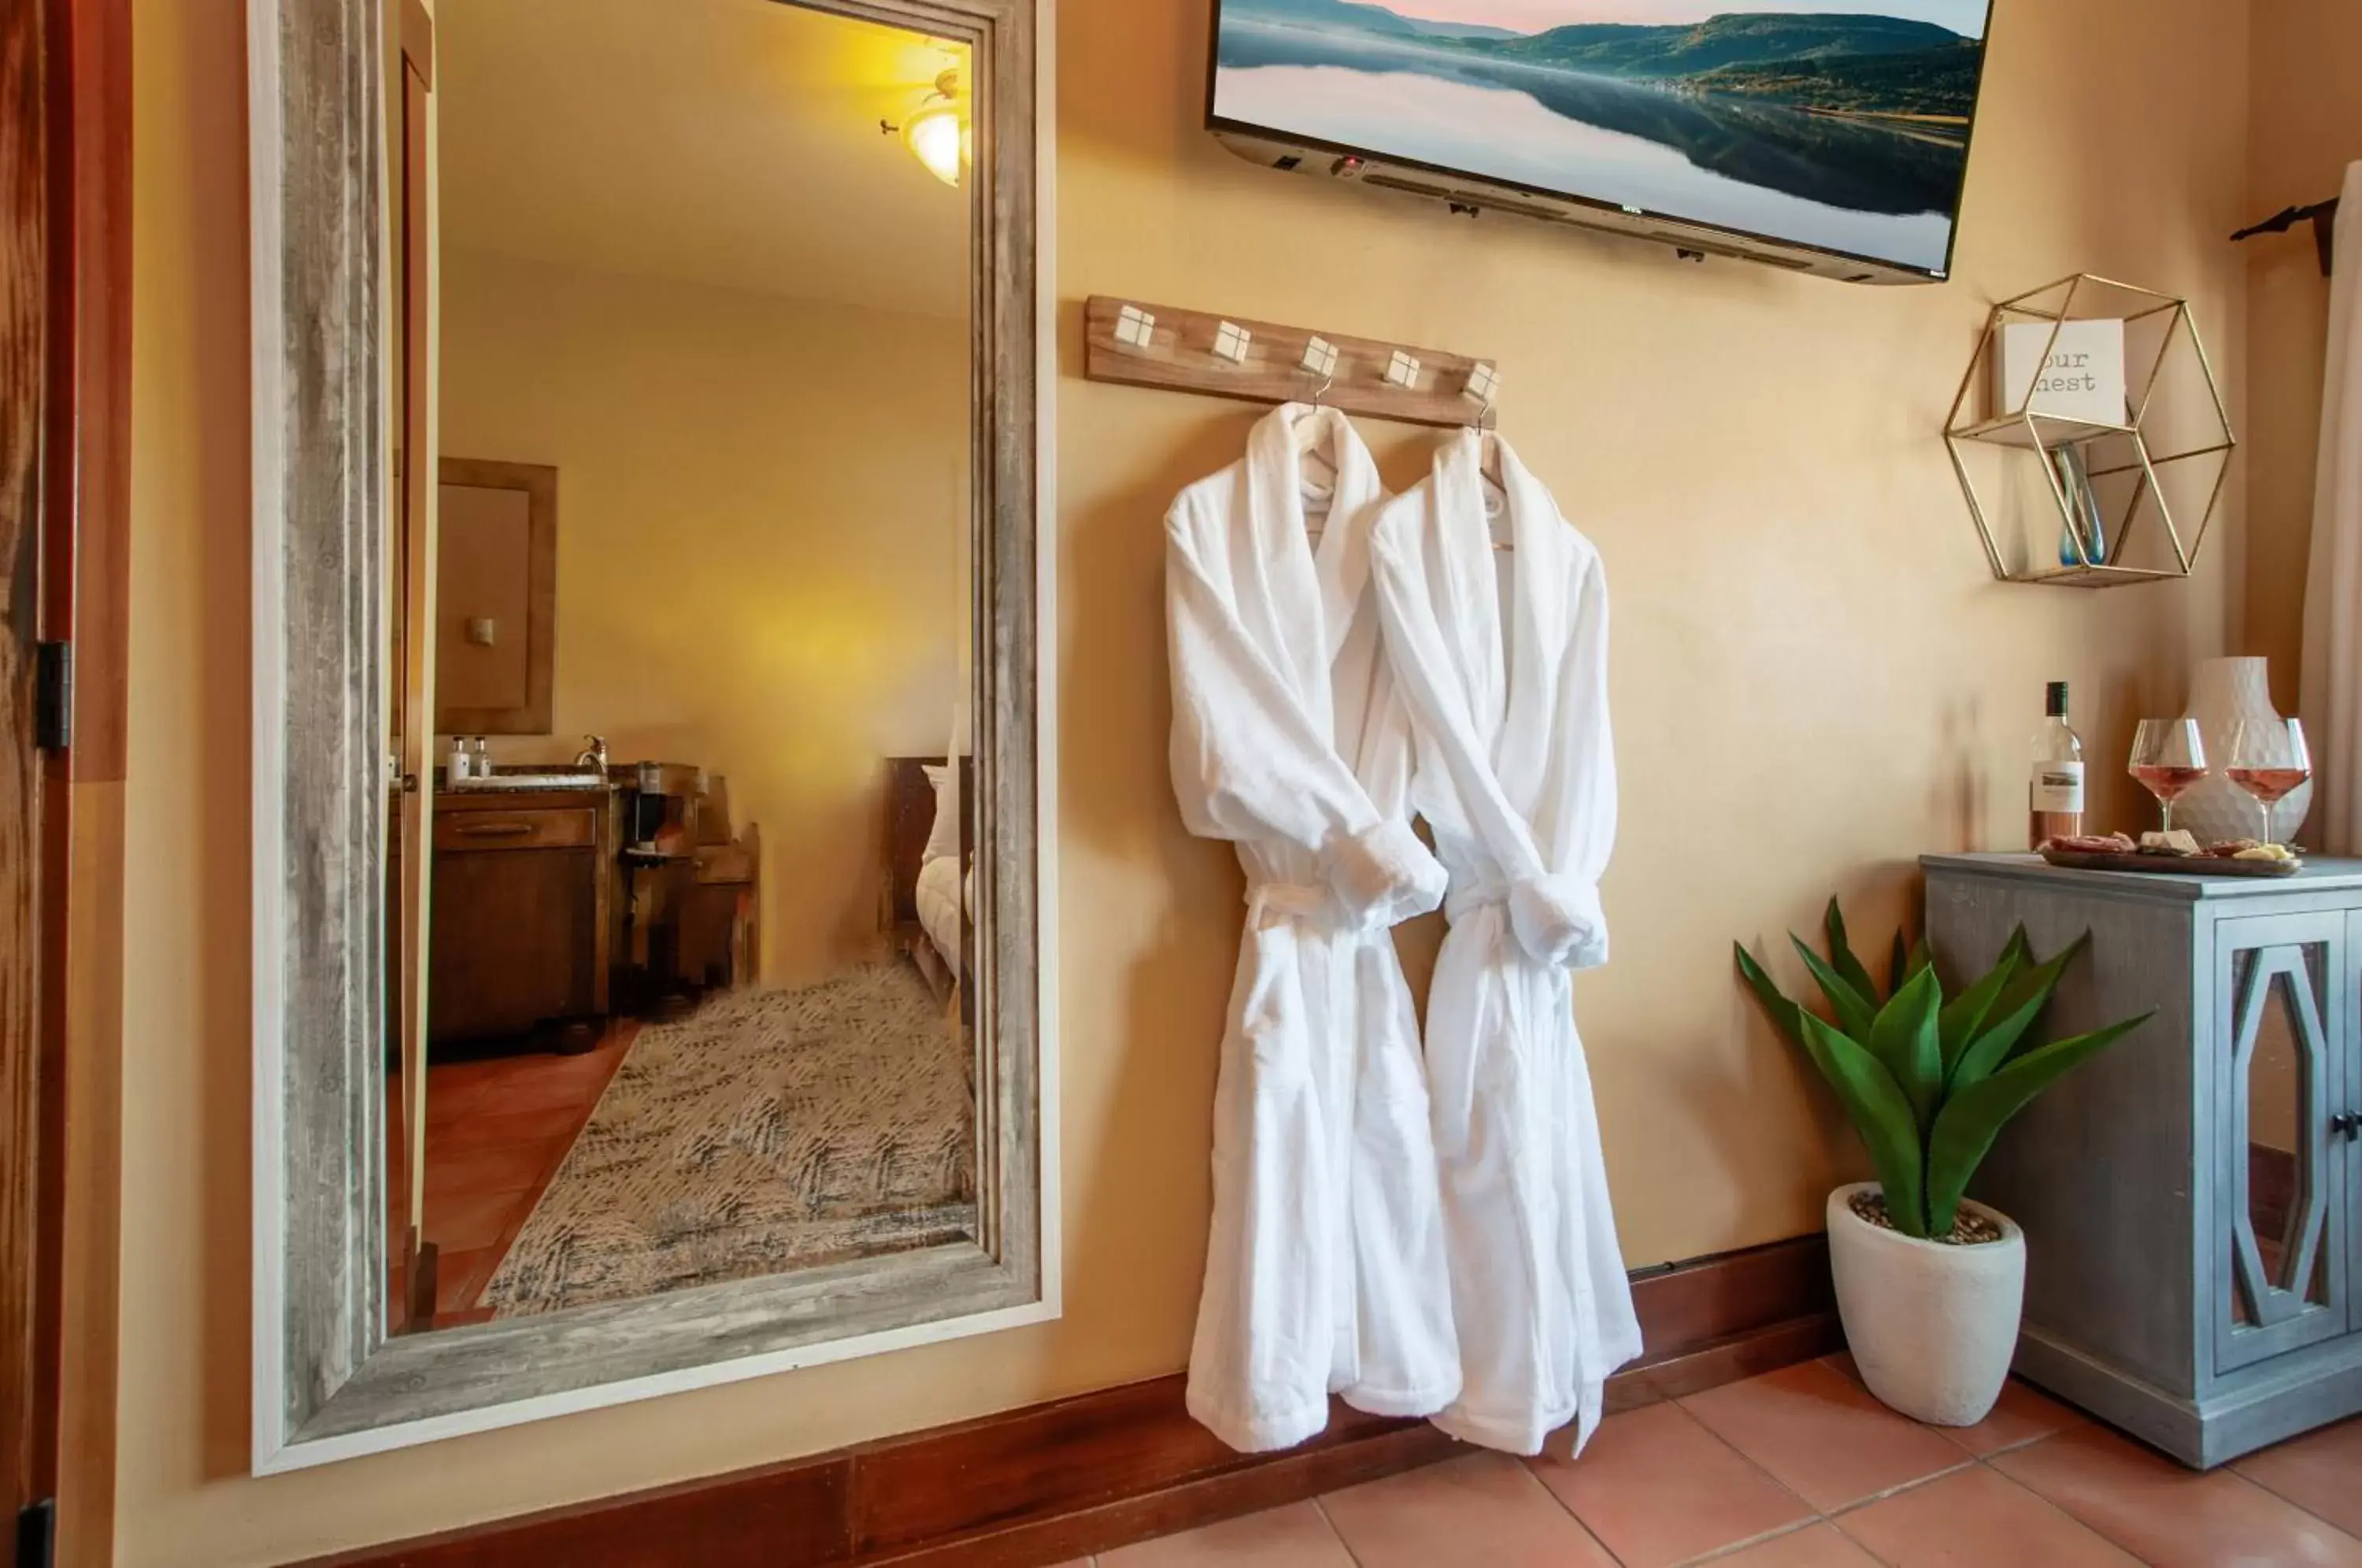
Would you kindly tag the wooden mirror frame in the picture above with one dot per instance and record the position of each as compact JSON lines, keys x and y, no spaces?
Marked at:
{"x":538,"y":484}
{"x":328,"y":1381}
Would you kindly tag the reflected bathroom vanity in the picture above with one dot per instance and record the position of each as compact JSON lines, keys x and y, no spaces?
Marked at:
{"x":525,"y":914}
{"x":2188,"y":1197}
{"x":563,"y":899}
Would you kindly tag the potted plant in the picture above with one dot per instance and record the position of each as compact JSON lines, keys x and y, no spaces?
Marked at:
{"x":1930,"y":1283}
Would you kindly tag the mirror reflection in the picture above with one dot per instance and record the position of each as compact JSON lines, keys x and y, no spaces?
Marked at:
{"x":684,"y":878}
{"x":2279,"y":1067}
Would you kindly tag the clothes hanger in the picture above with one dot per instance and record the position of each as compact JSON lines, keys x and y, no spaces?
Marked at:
{"x":1310,"y":433}
{"x":1488,"y":470}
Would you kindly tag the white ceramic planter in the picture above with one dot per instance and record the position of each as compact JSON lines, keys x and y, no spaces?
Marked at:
{"x":1932,"y":1327}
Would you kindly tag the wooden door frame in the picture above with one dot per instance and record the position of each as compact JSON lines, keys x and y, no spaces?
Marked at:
{"x":27,"y":1081}
{"x":411,"y":624}
{"x":65,"y":120}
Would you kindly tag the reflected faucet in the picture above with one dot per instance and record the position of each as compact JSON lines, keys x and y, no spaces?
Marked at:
{"x":592,"y":758}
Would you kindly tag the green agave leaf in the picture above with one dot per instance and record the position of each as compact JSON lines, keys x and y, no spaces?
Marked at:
{"x":1880,"y":1114}
{"x":1965,"y":1014}
{"x":2038,"y":980}
{"x":2016,"y":951}
{"x":1853,"y":1006}
{"x":1966,"y":1128}
{"x":1903,"y":962}
{"x":2021,"y":1002}
{"x":1841,"y":956}
{"x":1775,"y":1001}
{"x":1903,"y":1039}
{"x":1991,"y":1048}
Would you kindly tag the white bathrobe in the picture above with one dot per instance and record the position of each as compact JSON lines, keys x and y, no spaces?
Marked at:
{"x":1503,"y":658}
{"x":1326,"y":1269}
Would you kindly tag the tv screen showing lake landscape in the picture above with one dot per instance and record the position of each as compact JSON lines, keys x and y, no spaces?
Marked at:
{"x":1831,"y":125}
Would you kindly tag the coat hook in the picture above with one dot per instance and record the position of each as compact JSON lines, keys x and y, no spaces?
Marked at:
{"x":1485,"y":386}
{"x":1402,"y":370}
{"x":1135,"y":327}
{"x":1231,"y":342}
{"x":1320,"y":359}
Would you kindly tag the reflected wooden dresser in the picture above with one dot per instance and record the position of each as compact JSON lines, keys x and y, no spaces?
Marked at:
{"x":2193,"y":1267}
{"x":522,"y":925}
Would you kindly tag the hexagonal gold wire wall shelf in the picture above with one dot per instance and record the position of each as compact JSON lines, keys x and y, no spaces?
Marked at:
{"x":2117,"y":513}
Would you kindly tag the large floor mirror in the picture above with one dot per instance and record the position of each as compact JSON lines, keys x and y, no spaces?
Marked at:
{"x":648,"y":751}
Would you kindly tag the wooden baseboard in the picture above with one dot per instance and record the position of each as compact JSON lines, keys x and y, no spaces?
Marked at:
{"x":1052,"y":1482}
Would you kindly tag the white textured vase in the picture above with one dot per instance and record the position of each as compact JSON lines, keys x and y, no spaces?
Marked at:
{"x":1932,"y":1325}
{"x":2227,"y":690}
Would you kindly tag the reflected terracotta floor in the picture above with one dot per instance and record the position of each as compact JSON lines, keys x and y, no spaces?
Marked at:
{"x":496,"y":1131}
{"x":1803,"y":1469}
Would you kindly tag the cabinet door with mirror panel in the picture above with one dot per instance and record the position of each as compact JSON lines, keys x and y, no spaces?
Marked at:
{"x":674,"y":1011}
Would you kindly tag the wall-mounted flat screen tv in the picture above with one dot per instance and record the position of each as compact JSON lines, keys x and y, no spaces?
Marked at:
{"x":1830,"y":136}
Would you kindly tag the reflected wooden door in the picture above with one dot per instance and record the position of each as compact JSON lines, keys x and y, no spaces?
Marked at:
{"x":411,"y":625}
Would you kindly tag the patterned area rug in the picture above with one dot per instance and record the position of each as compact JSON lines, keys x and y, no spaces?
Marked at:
{"x":769,"y":1130}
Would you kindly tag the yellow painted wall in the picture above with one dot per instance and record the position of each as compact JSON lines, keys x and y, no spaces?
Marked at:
{"x":2307,"y":129}
{"x":760,"y":563}
{"x":1813,"y":681}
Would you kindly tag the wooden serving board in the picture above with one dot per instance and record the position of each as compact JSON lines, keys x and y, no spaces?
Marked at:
{"x":2182,"y":864}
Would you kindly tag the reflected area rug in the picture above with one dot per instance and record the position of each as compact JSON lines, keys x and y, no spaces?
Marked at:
{"x":769,"y":1131}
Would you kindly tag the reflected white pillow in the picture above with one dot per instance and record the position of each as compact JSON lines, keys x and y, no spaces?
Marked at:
{"x":944,"y":833}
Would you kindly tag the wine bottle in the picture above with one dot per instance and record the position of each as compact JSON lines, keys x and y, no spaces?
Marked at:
{"x":2055,"y":787}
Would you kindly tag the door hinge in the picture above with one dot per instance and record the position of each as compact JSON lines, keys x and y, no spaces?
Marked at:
{"x":53,"y":696}
{"x":36,"y":1534}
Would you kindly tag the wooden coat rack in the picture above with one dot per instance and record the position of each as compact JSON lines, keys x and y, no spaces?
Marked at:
{"x":1134,"y":344}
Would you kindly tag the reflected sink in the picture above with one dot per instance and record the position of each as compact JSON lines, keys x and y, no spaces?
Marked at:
{"x":509,"y":779}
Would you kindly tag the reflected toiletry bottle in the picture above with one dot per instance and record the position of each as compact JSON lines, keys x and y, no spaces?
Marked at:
{"x":455,"y":767}
{"x":479,"y":765}
{"x":2055,"y":788}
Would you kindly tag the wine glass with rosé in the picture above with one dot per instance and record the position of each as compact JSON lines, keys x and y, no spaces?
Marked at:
{"x":2268,"y":759}
{"x":2168,"y":757}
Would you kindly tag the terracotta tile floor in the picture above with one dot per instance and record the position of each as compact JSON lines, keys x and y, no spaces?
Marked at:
{"x":497,"y":1128}
{"x":1803,"y":1469}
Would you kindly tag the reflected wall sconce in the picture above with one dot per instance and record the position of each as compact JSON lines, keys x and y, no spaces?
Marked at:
{"x":936,"y":132}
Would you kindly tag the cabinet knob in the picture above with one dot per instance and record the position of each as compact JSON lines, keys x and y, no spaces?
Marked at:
{"x":2346,"y":1124}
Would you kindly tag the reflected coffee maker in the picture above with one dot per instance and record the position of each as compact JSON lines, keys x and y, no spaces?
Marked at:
{"x":692,"y":892}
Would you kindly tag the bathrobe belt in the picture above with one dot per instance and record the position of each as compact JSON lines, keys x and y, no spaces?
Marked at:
{"x":1268,"y":903}
{"x":1557,"y":919}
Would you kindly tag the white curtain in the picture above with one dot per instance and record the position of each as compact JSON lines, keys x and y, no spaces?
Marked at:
{"x":2332,"y":586}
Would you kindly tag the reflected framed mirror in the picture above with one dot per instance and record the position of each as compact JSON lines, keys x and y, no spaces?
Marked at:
{"x":651,"y":733}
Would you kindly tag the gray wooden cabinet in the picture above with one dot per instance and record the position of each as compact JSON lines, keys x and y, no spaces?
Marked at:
{"x":2190,"y":1197}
